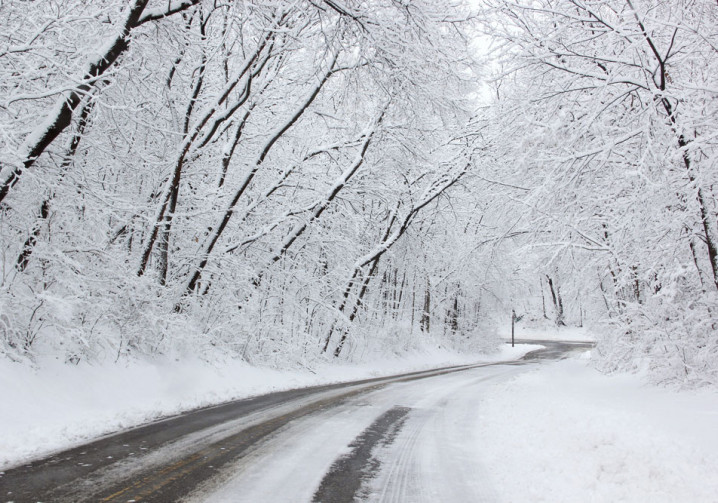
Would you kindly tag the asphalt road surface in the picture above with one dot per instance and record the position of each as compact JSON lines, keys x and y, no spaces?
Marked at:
{"x":398,"y":438}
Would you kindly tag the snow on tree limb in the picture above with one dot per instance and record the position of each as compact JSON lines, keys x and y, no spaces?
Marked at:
{"x":172,"y":7}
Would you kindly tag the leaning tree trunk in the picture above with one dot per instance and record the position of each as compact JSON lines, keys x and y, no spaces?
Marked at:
{"x":207,"y":123}
{"x":661,"y":78}
{"x":29,"y":246}
{"x":229,"y":212}
{"x":557,"y":302}
{"x":60,"y":116}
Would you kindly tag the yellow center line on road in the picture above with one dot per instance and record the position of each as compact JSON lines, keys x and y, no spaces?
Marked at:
{"x":168,"y":469}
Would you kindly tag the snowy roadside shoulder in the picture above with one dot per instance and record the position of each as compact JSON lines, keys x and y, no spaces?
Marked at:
{"x":62,"y":406}
{"x":564,"y":433}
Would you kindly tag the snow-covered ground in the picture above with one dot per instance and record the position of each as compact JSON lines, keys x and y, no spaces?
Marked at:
{"x":61,"y":406}
{"x":546,"y":331}
{"x":564,"y":432}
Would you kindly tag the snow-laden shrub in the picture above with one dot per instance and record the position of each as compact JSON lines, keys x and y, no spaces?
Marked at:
{"x":672,"y":337}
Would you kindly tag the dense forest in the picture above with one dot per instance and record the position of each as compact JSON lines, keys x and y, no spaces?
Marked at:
{"x":287,"y":181}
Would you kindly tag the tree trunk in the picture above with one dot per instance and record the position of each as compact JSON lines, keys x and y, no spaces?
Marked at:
{"x":357,"y":305}
{"x":454,"y":314}
{"x":350,"y":285}
{"x":557,"y":302}
{"x":425,"y":322}
{"x":166,"y":230}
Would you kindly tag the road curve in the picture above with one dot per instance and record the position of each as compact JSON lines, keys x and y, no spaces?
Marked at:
{"x":167,"y":459}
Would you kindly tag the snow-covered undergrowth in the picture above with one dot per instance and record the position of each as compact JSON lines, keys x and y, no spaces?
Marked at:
{"x":672,"y":338}
{"x":59,"y":405}
{"x":566,"y":433}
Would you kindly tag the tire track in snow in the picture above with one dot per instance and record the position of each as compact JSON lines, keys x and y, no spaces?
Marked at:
{"x":433,"y":457}
{"x":349,"y":472}
{"x":400,"y":472}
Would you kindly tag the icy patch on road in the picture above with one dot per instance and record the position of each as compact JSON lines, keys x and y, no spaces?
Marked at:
{"x":61,"y":406}
{"x":565,"y":433}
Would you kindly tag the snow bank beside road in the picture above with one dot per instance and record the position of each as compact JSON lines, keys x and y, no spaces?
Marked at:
{"x":565,"y":433}
{"x":61,"y":406}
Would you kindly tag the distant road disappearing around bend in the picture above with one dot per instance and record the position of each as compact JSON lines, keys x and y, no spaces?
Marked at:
{"x":405,"y":438}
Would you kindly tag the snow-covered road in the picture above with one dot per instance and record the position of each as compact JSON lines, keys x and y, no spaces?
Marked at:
{"x":421,"y":446}
{"x":324,"y":444}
